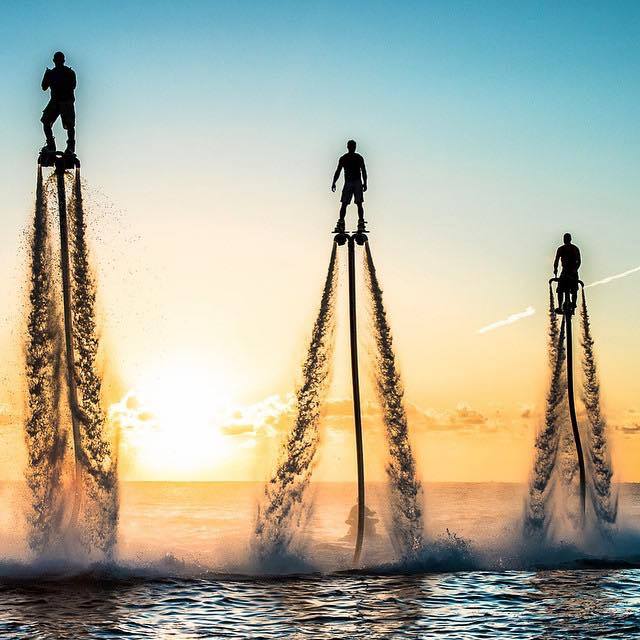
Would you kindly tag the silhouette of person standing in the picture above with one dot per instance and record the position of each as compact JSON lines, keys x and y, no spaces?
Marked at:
{"x":61,"y":80}
{"x":355,"y":184}
{"x":569,"y":255}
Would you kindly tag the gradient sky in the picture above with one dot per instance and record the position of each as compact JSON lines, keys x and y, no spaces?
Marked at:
{"x":209,"y":133}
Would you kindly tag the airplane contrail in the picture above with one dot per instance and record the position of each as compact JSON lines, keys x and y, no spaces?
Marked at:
{"x":529,"y":311}
{"x":514,"y":317}
{"x":624,"y":274}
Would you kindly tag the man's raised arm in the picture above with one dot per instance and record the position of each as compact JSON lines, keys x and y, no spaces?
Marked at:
{"x":336,"y":175}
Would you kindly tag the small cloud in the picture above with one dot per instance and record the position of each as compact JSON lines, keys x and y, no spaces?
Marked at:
{"x":629,"y":429}
{"x":7,"y":420}
{"x":269,"y":417}
{"x":7,"y":417}
{"x":526,"y":411}
{"x":466,"y":415}
{"x":237,"y":429}
{"x":342,"y":408}
{"x":130,"y":415}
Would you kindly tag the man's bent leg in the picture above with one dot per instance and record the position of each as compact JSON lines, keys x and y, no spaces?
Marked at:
{"x":560,"y":299}
{"x":49,"y":116}
{"x":68,"y":116}
{"x":361,"y":222}
{"x":340,"y":224}
{"x":71,"y":140}
{"x":48,"y":134}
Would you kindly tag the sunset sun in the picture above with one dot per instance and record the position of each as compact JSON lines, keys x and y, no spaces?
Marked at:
{"x":178,"y":432}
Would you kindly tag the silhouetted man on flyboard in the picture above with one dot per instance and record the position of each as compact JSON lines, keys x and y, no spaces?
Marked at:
{"x":61,"y":80}
{"x":355,"y":184}
{"x":569,"y":255}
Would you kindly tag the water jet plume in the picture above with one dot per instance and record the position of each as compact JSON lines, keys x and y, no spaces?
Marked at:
{"x":46,"y":440}
{"x":537,"y":510}
{"x":99,"y":460}
{"x":405,"y":488}
{"x":604,"y":497}
{"x":281,"y":511}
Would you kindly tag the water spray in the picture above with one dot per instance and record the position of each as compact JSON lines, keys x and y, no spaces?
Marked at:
{"x":604,"y":497}
{"x":45,"y":439}
{"x":54,"y":362}
{"x":594,"y":464}
{"x":568,"y":311}
{"x":547,"y":439}
{"x":285,"y":491}
{"x":405,"y":488}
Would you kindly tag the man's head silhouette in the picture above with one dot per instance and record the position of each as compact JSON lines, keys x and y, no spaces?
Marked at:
{"x":351,"y":146}
{"x":58,"y":58}
{"x":567,"y":238}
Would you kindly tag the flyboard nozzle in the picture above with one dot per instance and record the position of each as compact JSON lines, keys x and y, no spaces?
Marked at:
{"x":360,"y":237}
{"x":341,"y":238}
{"x":61,"y":161}
{"x":66,"y":161}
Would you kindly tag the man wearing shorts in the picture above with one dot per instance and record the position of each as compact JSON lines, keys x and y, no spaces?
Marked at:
{"x":569,"y":255}
{"x":62,"y":82}
{"x":355,"y":184}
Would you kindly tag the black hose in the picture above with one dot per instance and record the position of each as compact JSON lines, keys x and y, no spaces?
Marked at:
{"x":355,"y":380}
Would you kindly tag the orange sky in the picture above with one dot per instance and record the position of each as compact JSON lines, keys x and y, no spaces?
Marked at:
{"x":487,"y":134}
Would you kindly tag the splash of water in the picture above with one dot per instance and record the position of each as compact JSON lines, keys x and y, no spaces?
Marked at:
{"x":603,"y":497}
{"x":281,"y":512}
{"x":54,"y":493}
{"x":45,"y":439}
{"x":406,"y":489}
{"x":98,"y":457}
{"x":537,"y":511}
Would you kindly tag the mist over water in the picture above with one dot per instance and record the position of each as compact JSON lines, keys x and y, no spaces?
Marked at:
{"x":282,"y":509}
{"x":404,"y":486}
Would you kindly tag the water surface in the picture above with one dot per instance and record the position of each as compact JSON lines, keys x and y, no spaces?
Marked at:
{"x":184,"y":570}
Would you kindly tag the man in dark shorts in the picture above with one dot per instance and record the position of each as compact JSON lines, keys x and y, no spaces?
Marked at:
{"x":569,"y":255}
{"x":355,"y":184}
{"x":62,"y":82}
